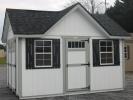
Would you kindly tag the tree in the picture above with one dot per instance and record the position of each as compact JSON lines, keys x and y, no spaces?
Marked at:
{"x":90,"y":5}
{"x":2,"y":47}
{"x":122,"y":13}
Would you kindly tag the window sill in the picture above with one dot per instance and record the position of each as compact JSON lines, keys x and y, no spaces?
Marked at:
{"x":43,"y":68}
{"x":106,"y":65}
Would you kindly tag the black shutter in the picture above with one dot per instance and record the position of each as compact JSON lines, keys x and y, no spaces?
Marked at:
{"x":56,"y":53}
{"x":128,"y":52}
{"x":96,"y":58}
{"x":29,"y":53}
{"x":116,"y":52}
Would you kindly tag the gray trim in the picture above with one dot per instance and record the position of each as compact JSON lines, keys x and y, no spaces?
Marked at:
{"x":70,"y":93}
{"x":7,"y":56}
{"x":11,"y":67}
{"x":5,"y":28}
{"x":123,"y":65}
{"x":66,"y":50}
{"x":64,"y":65}
{"x":41,"y":36}
{"x":17,"y":64}
{"x":78,"y":49}
{"x":87,"y":45}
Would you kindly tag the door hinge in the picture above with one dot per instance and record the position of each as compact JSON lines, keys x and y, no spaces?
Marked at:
{"x":88,"y":87}
{"x":86,"y":64}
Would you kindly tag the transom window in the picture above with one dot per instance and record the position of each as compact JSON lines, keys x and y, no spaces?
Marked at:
{"x":76,"y":44}
{"x":43,"y":53}
{"x":106,"y":52}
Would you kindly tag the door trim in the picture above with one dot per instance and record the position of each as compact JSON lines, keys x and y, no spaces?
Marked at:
{"x":65,"y":60}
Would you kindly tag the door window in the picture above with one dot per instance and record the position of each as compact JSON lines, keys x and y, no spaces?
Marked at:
{"x":76,"y":44}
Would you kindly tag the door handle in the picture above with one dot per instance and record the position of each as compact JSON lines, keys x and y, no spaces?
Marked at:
{"x":74,"y":65}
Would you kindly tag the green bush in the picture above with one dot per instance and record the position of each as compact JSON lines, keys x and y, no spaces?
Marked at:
{"x":3,"y":60}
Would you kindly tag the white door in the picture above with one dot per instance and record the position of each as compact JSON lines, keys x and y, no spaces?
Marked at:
{"x":77,"y":64}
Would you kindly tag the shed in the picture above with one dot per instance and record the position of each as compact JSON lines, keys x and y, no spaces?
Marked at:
{"x":52,"y":53}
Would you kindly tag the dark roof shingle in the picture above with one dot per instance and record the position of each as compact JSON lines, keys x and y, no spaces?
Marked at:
{"x":34,"y":22}
{"x":110,"y":26}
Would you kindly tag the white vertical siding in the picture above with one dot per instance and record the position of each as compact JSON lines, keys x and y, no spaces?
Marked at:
{"x":76,"y":24}
{"x":10,"y":34}
{"x":107,"y":77}
{"x":13,"y":78}
{"x":9,"y":61}
{"x":7,"y":66}
{"x":19,"y":67}
{"x":40,"y":81}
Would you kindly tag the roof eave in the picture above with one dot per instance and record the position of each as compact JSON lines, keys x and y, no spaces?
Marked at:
{"x":3,"y":31}
{"x":120,"y":37}
{"x":40,"y":36}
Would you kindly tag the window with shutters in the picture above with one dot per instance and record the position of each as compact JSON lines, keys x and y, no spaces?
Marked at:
{"x":106,"y":52}
{"x":43,"y":53}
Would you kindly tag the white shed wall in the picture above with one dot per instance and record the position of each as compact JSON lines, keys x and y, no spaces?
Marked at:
{"x":107,"y":77}
{"x":11,"y":69}
{"x":40,"y":81}
{"x":76,"y":23}
{"x":10,"y":33}
{"x":13,"y":78}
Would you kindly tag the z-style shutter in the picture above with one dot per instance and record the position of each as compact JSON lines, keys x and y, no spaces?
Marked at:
{"x":96,"y":58}
{"x":56,"y":53}
{"x":29,"y":53}
{"x":116,"y":52}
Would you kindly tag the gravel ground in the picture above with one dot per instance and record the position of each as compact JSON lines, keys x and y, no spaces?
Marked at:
{"x":127,"y":94}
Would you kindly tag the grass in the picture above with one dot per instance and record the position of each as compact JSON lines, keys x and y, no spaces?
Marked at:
{"x":3,"y":60}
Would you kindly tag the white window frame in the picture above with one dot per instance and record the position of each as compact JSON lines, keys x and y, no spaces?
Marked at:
{"x":112,"y":52}
{"x":47,"y":66}
{"x":74,"y":45}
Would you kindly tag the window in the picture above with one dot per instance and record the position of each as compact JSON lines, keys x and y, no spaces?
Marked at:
{"x":43,"y":53}
{"x":76,"y":44}
{"x":106,"y":52}
{"x":126,"y":52}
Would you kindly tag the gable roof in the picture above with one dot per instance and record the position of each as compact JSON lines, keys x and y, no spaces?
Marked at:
{"x":27,"y":22}
{"x":32,"y":22}
{"x":110,"y":25}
